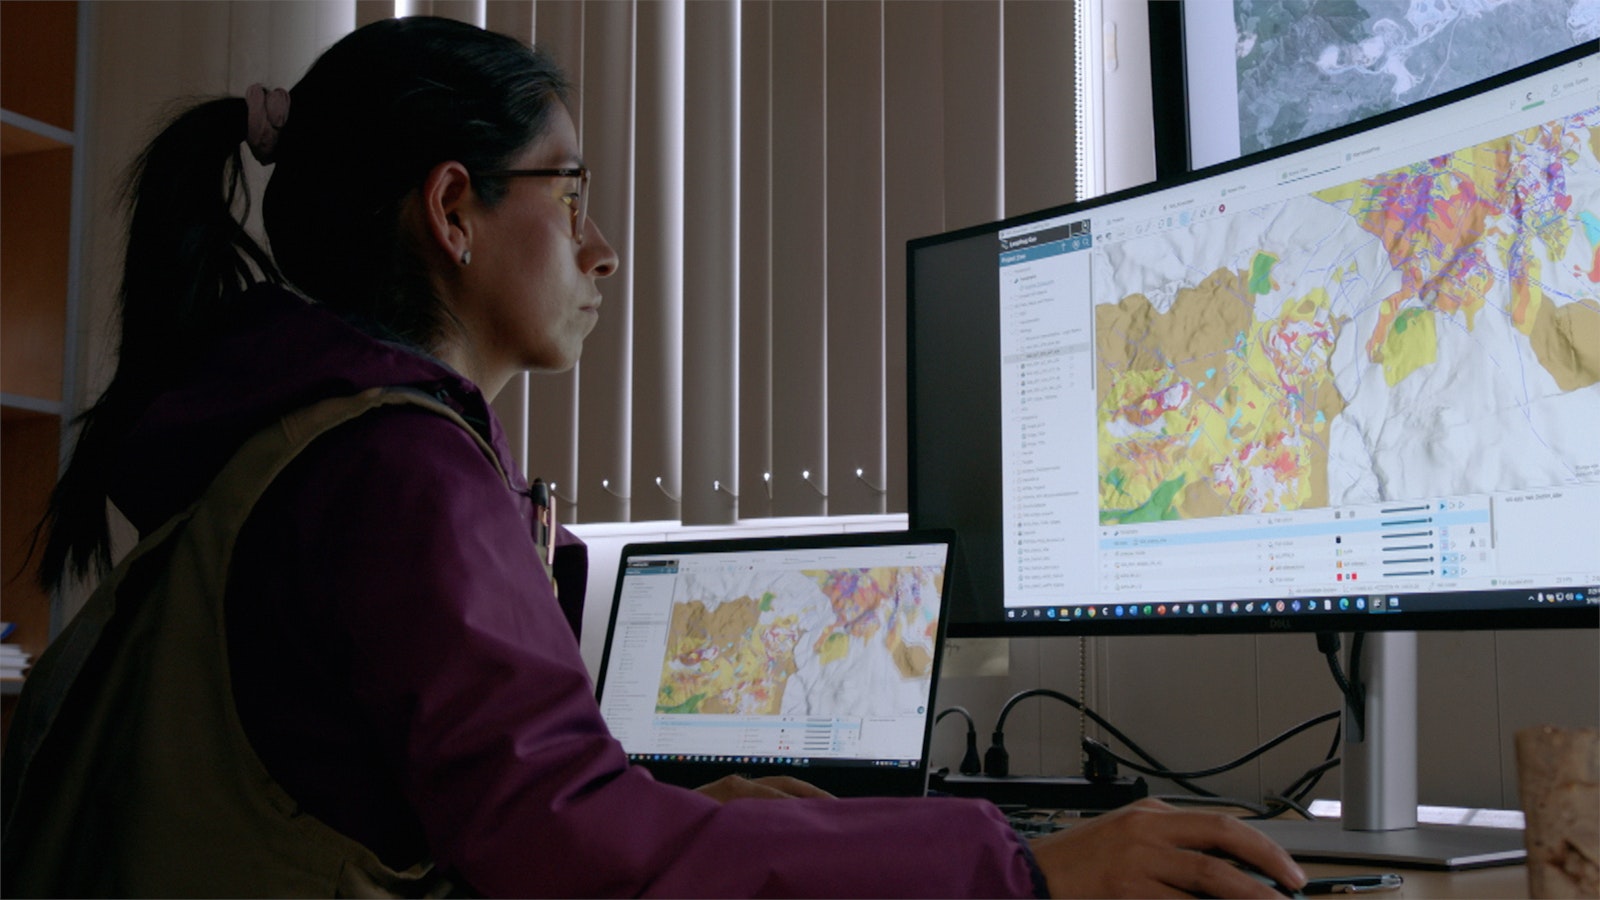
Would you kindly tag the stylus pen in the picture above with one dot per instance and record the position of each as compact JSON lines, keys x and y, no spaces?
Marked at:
{"x":1352,"y":884}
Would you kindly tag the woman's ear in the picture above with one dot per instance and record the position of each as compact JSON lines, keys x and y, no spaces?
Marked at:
{"x":446,"y":206}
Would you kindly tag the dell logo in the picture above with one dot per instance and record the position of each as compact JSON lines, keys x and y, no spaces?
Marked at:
{"x":1278,"y":623}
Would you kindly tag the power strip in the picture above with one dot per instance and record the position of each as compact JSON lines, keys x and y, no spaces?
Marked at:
{"x":1043,"y":791}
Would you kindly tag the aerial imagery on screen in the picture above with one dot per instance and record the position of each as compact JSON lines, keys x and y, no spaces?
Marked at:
{"x":1306,"y":67}
{"x":823,"y":642}
{"x":1428,"y":331}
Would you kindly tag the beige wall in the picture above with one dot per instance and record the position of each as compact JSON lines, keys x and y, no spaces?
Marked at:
{"x":147,"y":57}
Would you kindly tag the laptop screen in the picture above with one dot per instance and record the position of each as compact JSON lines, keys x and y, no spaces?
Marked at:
{"x":814,"y":656}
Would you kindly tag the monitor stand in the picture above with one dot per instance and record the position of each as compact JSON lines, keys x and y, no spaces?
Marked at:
{"x":1379,"y":790}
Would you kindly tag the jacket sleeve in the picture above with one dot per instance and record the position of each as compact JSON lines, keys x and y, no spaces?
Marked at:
{"x":465,"y":663}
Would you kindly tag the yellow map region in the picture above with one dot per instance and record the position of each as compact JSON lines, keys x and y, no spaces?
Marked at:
{"x":726,"y":660}
{"x":1206,"y":410}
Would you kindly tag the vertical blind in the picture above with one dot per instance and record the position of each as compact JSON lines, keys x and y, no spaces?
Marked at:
{"x":759,"y":167}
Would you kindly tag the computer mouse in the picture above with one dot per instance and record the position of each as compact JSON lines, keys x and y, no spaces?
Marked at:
{"x":1260,"y":876}
{"x":1271,"y":882}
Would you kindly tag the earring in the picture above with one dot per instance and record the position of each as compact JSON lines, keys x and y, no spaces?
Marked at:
{"x":466,"y":257}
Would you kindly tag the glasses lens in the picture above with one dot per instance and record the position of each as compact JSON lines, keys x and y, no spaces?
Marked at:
{"x":580,"y":210}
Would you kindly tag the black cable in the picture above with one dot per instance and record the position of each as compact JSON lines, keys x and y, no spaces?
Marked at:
{"x":1278,"y":805}
{"x":1328,"y":645}
{"x":969,"y":760}
{"x":1315,"y":775}
{"x":1296,"y":803}
{"x":1309,"y":778}
{"x":997,"y":761}
{"x":1294,"y":796}
{"x":1355,"y":694}
{"x":1259,"y":810}
{"x":1227,"y":766}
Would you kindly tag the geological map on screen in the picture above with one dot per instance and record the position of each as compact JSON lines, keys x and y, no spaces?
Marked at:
{"x":833,"y":642}
{"x":1261,"y":364}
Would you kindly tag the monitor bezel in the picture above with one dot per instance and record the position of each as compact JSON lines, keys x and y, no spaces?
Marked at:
{"x":840,"y":779}
{"x":960,"y":621}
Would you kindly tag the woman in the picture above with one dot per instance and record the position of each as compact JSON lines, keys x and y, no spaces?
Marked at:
{"x":401,"y":670}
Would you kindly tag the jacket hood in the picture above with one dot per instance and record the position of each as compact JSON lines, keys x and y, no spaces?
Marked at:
{"x":284,"y":353}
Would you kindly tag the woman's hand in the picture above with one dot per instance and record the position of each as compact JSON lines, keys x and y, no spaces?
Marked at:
{"x":1151,"y":849}
{"x":771,"y":787}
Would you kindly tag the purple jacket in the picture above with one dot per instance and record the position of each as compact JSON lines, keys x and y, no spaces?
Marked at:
{"x":403,"y":668}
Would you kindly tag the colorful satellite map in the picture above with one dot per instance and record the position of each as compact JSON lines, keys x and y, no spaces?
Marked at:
{"x":830,"y":642}
{"x":1260,"y":365}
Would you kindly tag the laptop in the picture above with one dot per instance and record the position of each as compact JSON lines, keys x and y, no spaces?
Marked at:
{"x":813,"y":656}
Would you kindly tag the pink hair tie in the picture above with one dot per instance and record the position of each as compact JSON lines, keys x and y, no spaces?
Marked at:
{"x":268,"y":110}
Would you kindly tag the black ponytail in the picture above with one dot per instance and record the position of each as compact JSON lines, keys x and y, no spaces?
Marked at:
{"x":188,"y":259}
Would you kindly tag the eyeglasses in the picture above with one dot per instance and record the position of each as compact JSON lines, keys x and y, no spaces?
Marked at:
{"x":577,"y":201}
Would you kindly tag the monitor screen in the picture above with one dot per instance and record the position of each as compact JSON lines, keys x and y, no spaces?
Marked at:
{"x":812,"y":656}
{"x":1269,"y":73}
{"x":1351,"y":383}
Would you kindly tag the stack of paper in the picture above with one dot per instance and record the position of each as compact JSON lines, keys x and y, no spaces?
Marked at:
{"x":13,"y":659}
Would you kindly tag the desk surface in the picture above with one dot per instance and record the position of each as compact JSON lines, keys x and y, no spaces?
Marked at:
{"x":1495,"y":881}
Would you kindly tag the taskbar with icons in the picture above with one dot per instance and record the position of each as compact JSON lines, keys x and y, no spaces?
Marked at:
{"x":1376,"y":604}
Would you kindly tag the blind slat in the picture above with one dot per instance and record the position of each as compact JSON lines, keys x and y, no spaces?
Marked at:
{"x":973,"y":108}
{"x":552,"y":438}
{"x":854,"y":281}
{"x":755,"y":260}
{"x":913,"y":193}
{"x":469,"y":11}
{"x":604,"y":488}
{"x":711,"y":265}
{"x":1040,"y":154}
{"x":515,"y":19}
{"x":799,"y":260}
{"x":511,"y":407}
{"x":657,"y":389}
{"x":369,"y":11}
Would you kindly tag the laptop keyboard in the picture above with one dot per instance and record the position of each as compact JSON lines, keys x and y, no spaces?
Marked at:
{"x":1036,"y":823}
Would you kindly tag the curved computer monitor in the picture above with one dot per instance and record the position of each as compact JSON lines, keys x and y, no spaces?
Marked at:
{"x":1349,"y":384}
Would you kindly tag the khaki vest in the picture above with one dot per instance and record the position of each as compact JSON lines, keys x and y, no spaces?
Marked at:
{"x":127,"y":772}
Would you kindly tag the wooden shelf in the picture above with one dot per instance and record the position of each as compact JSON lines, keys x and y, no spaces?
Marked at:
{"x":38,"y":86}
{"x":35,"y":235}
{"x":38,"y":54}
{"x":20,"y":134}
{"x":21,"y":406}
